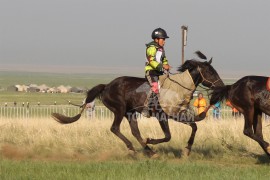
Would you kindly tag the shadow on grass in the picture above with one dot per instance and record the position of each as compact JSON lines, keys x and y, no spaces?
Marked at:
{"x":169,"y":151}
{"x":231,"y":154}
{"x":262,"y":159}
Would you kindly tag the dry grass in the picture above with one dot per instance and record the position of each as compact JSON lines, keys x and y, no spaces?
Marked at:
{"x":45,"y":139}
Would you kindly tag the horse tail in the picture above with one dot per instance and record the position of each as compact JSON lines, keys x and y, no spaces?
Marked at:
{"x":91,"y":95}
{"x":219,"y":94}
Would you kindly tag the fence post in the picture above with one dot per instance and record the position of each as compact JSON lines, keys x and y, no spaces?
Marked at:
{"x":100,"y":112}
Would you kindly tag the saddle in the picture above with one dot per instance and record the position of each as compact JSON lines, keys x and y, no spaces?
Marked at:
{"x":175,"y":92}
{"x":268,"y":84}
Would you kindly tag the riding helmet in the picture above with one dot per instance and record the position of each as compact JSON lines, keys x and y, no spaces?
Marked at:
{"x":159,"y":33}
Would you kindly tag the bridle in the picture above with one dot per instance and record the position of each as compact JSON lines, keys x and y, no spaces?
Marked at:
{"x":206,"y":80}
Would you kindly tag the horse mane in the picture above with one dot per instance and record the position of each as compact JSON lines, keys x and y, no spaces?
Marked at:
{"x":188,"y":65}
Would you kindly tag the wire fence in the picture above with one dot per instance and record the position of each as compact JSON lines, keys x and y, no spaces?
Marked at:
{"x":99,"y":112}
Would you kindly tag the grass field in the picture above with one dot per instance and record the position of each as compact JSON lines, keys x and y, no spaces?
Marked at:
{"x":42,"y":98}
{"x":52,"y":80}
{"x":44,"y":149}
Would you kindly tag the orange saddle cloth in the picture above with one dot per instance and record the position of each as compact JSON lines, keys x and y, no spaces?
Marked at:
{"x":268,"y":84}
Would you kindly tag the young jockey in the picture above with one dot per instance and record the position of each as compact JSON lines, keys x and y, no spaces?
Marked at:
{"x":156,"y":63}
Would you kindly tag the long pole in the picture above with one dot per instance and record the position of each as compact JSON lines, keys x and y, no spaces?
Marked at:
{"x":184,"y":42}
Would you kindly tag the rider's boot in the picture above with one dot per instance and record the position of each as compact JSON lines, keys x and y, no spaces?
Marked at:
{"x":145,"y":112}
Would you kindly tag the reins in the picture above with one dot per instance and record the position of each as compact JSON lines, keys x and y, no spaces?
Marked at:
{"x":168,"y":76}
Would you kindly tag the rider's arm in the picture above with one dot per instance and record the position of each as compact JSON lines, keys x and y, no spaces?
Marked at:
{"x":151,"y":56}
{"x":165,"y":64}
{"x":165,"y":60}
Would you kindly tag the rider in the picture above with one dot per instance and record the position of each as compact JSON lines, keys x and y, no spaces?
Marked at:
{"x":156,"y":63}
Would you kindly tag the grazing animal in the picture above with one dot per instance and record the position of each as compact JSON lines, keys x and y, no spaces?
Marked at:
{"x":123,"y":98}
{"x":251,"y":96}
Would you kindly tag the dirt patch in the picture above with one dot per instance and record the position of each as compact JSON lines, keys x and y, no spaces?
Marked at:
{"x":13,"y":152}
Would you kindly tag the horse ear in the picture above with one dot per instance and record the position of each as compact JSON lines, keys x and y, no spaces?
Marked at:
{"x":210,"y":61}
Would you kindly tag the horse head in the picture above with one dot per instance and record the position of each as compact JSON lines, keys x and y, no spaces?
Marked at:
{"x":202,"y":72}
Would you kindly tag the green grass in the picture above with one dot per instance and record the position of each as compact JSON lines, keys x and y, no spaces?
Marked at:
{"x":146,"y":169}
{"x":43,"y":98}
{"x":52,"y":80}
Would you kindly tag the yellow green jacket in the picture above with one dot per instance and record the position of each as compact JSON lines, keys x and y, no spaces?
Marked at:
{"x":155,"y":57}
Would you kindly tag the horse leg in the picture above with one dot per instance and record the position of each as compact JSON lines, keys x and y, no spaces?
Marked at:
{"x":191,"y":138}
{"x":257,"y":124}
{"x":257,"y":127}
{"x":163,"y":121}
{"x":116,"y":130}
{"x":133,"y":123}
{"x":251,"y":118}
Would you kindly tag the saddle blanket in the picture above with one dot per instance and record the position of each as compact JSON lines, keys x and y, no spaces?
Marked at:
{"x":175,"y":92}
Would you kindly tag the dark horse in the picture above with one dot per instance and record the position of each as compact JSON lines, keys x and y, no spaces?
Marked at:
{"x":123,"y":98}
{"x":250,"y":96}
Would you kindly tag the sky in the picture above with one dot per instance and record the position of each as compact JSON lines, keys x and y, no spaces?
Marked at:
{"x":103,"y":36}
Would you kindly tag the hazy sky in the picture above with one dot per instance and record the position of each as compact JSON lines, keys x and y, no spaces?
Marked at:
{"x":110,"y":35}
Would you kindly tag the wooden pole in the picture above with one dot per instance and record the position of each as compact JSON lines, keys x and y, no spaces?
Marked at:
{"x":184,"y":41}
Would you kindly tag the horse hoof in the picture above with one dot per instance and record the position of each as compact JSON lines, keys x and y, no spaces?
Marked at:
{"x":132,"y":152}
{"x":154,"y":156}
{"x":268,"y":149}
{"x":145,"y":141}
{"x":186,"y":152}
{"x":151,"y":154}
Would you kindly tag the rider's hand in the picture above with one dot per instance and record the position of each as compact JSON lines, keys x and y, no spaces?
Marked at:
{"x":166,"y":66}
